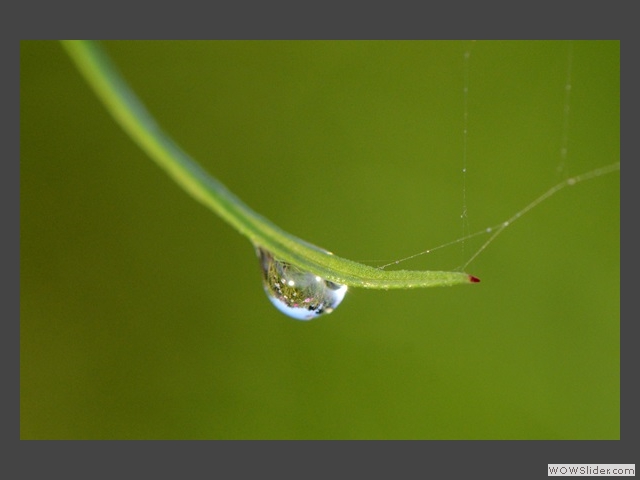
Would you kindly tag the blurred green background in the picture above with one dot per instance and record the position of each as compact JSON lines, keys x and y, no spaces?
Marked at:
{"x":143,"y":315}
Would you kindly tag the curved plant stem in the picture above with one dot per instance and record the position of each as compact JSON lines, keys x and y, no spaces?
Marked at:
{"x":136,"y":121}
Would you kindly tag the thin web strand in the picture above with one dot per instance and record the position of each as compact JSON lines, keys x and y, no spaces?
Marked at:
{"x":566,"y":110}
{"x":552,"y":191}
{"x":465,"y":133}
{"x":499,"y":228}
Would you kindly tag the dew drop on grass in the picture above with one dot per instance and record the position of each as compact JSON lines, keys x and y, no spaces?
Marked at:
{"x":295,"y":292}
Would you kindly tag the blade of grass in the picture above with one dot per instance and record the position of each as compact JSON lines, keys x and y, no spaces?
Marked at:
{"x":137,"y":122}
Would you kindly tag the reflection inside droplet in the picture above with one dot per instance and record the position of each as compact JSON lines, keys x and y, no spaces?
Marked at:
{"x":299,"y":294}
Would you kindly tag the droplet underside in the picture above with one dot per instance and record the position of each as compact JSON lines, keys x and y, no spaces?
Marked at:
{"x":299,"y":294}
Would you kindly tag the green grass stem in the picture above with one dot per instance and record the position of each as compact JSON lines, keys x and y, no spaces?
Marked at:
{"x":137,"y":122}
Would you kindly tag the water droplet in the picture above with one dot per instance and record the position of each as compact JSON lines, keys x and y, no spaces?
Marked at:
{"x":296,"y":293}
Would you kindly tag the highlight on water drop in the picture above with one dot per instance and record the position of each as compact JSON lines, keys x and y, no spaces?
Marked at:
{"x":299,"y":294}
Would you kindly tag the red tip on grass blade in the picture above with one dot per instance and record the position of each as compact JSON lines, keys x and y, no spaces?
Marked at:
{"x":473,"y":279}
